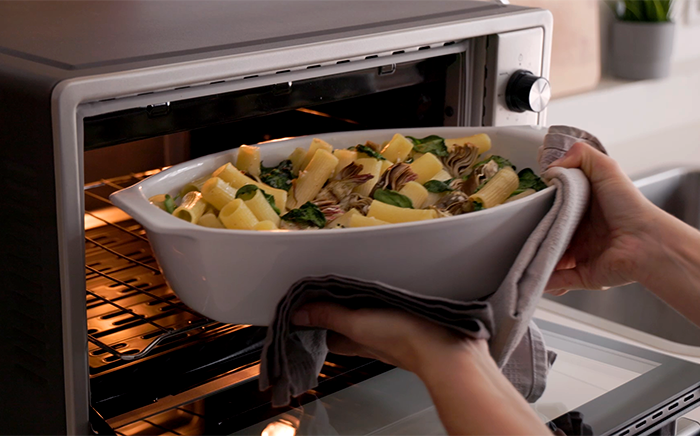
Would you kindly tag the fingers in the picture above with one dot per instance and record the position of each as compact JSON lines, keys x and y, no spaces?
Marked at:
{"x":329,"y":316}
{"x":592,"y":162}
{"x":567,"y":261}
{"x":340,"y":344}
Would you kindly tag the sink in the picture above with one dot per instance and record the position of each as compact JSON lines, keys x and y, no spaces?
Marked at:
{"x":632,"y":310}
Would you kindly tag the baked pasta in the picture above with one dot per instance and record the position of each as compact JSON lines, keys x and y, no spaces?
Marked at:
{"x":405,"y":179}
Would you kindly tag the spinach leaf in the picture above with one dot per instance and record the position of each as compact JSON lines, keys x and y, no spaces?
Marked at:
{"x":369,"y":151}
{"x":393,"y":198}
{"x":529,"y":180}
{"x":501,"y":161}
{"x":279,"y":177}
{"x":169,"y":204}
{"x":430,"y":144}
{"x":247,"y":192}
{"x":476,"y":205}
{"x":308,"y":214}
{"x":437,"y":186}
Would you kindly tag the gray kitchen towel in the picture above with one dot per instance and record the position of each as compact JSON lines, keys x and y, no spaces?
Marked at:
{"x":559,"y":140}
{"x":292,"y":357}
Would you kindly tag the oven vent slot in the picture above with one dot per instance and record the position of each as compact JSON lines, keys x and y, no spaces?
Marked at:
{"x":646,"y":423}
{"x":333,"y":62}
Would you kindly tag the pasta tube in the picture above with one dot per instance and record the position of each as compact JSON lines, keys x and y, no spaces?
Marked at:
{"x":398,"y":149}
{"x":416,"y":192}
{"x":345,"y":158}
{"x":498,"y":189}
{"x":394,"y":214}
{"x":481,"y":140}
{"x":234,"y":177}
{"x":262,"y":209}
{"x":236,"y":215}
{"x":426,"y":167}
{"x":371,"y":166}
{"x":191,"y":208}
{"x":265,"y":225}
{"x":385,"y":164}
{"x":158,"y":201}
{"x":523,"y":194}
{"x":210,"y":220}
{"x":343,"y":221}
{"x":360,"y":220}
{"x":248,"y":160}
{"x":297,"y":158}
{"x":316,"y":144}
{"x":312,"y":179}
{"x":442,"y":176}
{"x":195,"y":185}
{"x":218,"y":193}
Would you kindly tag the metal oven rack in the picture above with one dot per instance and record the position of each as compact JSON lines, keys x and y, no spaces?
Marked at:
{"x":131,"y":310}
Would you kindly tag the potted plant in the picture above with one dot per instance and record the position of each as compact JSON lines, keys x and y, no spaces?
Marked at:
{"x":642,"y":39}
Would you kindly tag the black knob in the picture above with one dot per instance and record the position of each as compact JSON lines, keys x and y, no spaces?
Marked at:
{"x":527,"y":92}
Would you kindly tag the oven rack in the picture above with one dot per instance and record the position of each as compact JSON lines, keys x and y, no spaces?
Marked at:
{"x":112,"y":263}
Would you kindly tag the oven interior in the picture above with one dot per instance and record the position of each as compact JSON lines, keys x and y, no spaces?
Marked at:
{"x":155,"y":363}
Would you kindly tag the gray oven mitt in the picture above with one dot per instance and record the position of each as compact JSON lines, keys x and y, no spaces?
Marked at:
{"x":293,"y":357}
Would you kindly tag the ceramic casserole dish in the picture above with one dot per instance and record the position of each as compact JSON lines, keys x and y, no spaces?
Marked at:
{"x":238,"y":276}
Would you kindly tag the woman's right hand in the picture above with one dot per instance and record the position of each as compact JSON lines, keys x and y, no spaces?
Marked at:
{"x":612,"y":244}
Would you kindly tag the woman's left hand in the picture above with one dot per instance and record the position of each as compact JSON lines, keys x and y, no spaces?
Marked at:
{"x":393,"y":336}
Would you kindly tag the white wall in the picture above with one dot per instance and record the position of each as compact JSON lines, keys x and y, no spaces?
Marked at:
{"x":645,"y":124}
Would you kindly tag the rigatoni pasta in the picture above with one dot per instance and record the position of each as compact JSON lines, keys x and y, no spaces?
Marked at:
{"x":407,"y":179}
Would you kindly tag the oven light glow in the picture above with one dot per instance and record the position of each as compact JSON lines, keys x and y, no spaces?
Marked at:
{"x":279,"y":428}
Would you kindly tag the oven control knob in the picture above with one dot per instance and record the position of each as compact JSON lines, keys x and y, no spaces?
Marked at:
{"x":527,"y":92}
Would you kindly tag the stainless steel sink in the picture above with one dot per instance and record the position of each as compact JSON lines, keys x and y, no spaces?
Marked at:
{"x":678,"y":192}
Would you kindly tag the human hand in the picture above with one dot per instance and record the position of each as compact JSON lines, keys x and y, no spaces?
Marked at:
{"x":392,"y":336}
{"x":612,"y":242}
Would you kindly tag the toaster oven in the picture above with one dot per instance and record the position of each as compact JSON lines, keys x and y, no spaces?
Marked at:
{"x":97,"y":95}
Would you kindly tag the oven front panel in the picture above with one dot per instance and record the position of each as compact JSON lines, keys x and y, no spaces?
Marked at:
{"x":129,"y":303}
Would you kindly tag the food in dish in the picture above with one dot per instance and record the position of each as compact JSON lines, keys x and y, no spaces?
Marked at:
{"x":406,"y":179}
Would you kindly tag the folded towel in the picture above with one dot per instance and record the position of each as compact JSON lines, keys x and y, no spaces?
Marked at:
{"x":292,"y":357}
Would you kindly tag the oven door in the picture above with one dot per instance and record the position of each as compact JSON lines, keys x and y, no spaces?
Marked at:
{"x":596,"y":386}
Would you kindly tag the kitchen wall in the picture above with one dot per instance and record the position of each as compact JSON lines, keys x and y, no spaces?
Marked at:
{"x":645,"y":125}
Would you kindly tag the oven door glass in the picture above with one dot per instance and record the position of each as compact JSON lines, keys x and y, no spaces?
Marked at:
{"x":597,"y":386}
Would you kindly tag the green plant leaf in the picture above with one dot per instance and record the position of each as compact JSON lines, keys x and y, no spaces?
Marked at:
{"x":393,"y":198}
{"x":308,"y":214}
{"x":247,"y":192}
{"x":501,"y":161}
{"x":169,"y":204}
{"x":436,"y":186}
{"x":529,"y":180}
{"x":369,"y":152}
{"x":430,"y":144}
{"x":476,"y":205}
{"x":279,"y":177}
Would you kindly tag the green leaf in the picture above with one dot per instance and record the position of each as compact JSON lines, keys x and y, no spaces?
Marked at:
{"x":501,"y":161}
{"x":393,"y":198}
{"x":430,"y":144}
{"x":529,"y":180}
{"x":279,"y":177}
{"x":369,"y":151}
{"x":476,"y":205}
{"x":169,"y":204}
{"x":437,"y":186}
{"x":308,"y":214}
{"x":247,"y":192}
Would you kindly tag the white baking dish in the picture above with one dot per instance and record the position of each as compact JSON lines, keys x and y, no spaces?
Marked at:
{"x":237,"y":276}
